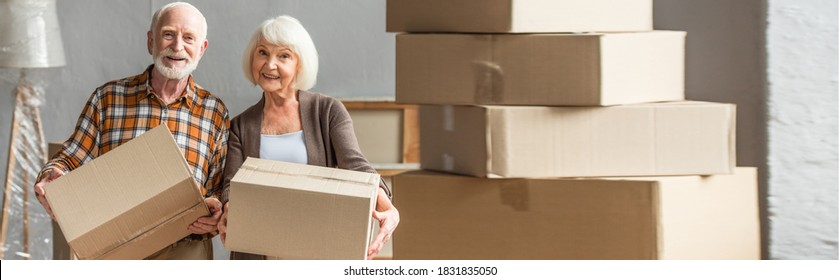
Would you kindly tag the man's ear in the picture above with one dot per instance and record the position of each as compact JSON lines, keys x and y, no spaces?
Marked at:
{"x":150,"y":41}
{"x":204,"y":47}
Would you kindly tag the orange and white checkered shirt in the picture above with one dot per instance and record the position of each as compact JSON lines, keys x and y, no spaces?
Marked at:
{"x":123,"y":109}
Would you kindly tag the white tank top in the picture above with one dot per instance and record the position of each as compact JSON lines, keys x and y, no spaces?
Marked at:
{"x":288,"y":147}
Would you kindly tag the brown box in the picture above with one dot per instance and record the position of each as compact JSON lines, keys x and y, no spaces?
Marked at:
{"x":297,"y":211}
{"x":670,"y":138}
{"x":128,"y":203}
{"x":540,"y":69}
{"x":519,"y":16}
{"x":60,"y":249}
{"x":682,"y":217}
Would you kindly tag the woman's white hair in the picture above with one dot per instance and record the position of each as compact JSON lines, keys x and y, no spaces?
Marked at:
{"x":286,"y":31}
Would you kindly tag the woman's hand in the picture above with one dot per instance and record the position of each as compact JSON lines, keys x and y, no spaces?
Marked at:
{"x":388,"y":218}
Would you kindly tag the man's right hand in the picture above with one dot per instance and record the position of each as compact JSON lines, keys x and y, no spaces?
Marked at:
{"x":47,"y":177}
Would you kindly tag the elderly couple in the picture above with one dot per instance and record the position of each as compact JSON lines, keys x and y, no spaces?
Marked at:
{"x":288,"y":124}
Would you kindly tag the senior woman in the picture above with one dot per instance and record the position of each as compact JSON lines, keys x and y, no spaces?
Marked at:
{"x":293,"y":124}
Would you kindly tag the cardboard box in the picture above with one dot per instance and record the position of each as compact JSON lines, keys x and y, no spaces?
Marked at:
{"x":60,"y":249}
{"x":298,"y":211}
{"x":130,"y":202}
{"x":680,"y":217}
{"x":518,"y":16}
{"x":653,"y":139}
{"x":540,"y":69}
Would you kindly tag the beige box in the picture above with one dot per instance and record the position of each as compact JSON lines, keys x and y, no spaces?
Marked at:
{"x":679,"y":217}
{"x":519,"y":16}
{"x":60,"y":249}
{"x":653,"y":139}
{"x":130,"y":202}
{"x":540,"y":69}
{"x":298,"y":211}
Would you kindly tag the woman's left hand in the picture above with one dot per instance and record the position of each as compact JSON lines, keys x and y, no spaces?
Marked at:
{"x":388,"y":219}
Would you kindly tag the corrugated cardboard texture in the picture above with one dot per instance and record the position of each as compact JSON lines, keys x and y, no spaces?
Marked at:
{"x":540,"y":69}
{"x":517,"y":16}
{"x":297,"y":211}
{"x":711,"y":217}
{"x":671,"y":138}
{"x":598,"y":218}
{"x":60,"y":249}
{"x":130,"y":202}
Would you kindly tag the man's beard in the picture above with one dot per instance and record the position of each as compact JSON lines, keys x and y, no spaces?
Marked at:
{"x":171,"y":73}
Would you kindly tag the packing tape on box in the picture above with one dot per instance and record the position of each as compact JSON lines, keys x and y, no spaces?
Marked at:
{"x":448,"y":118}
{"x":267,"y":170}
{"x":448,"y":162}
{"x":489,"y":82}
{"x":514,"y":193}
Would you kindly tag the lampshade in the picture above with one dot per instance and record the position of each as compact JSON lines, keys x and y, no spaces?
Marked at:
{"x":29,"y":34}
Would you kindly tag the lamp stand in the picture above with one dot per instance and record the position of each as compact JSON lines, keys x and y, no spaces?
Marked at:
{"x":27,"y":153}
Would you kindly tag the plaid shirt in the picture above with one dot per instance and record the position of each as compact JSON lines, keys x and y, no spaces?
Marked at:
{"x":123,"y":109}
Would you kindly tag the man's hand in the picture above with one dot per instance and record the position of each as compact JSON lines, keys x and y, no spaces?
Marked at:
{"x":47,"y":177}
{"x":207,"y":224}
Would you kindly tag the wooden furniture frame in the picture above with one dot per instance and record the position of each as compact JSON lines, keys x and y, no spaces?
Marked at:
{"x":410,"y":124}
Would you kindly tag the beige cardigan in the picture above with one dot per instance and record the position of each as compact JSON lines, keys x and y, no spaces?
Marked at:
{"x":327,"y":132}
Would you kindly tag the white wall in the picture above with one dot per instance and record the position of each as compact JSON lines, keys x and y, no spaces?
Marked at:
{"x":801,"y":40}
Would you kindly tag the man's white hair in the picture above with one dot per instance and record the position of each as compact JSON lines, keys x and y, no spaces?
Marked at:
{"x":156,"y":17}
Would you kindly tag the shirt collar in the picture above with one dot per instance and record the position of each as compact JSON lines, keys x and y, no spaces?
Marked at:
{"x":188,"y":96}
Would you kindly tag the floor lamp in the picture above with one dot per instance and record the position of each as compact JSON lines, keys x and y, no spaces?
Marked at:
{"x":29,"y":38}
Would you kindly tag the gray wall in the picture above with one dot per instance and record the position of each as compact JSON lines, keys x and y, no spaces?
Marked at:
{"x":726,"y":61}
{"x":777,"y":60}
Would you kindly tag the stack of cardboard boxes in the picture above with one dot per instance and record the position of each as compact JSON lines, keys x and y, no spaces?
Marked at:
{"x":544,"y":105}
